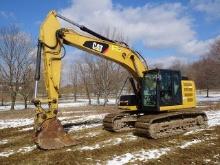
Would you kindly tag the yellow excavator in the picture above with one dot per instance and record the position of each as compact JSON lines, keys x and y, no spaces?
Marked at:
{"x":163,"y":103}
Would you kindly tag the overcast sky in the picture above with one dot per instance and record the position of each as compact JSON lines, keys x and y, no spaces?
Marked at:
{"x":162,"y":31}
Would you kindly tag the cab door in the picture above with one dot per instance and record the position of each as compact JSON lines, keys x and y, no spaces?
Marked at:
{"x":170,"y":88}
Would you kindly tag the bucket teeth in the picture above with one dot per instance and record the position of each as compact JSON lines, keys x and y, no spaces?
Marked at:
{"x":53,"y":136}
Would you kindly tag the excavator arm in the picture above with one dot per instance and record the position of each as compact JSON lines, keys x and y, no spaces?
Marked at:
{"x":50,"y":133}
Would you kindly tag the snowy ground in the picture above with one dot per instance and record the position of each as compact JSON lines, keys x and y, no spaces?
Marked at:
{"x":62,"y":104}
{"x":85,"y":121}
{"x":101,"y":147}
{"x":146,"y":155}
{"x":12,"y":123}
{"x":22,"y":150}
{"x":211,"y":98}
{"x":214,"y":96}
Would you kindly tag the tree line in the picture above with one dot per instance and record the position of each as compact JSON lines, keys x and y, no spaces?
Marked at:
{"x":16,"y":64}
{"x":205,"y":71}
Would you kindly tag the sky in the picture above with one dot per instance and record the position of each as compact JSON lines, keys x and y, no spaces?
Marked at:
{"x":162,"y":31}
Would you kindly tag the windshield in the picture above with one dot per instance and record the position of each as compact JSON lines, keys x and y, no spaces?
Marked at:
{"x":149,"y":89}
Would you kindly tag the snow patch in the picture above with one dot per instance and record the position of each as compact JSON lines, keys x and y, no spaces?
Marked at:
{"x":84,"y":122}
{"x":70,"y":112}
{"x":202,"y":106}
{"x":20,"y":150}
{"x":88,"y":121}
{"x":216,"y":156}
{"x":26,"y":129}
{"x":13,"y":123}
{"x":131,"y":137}
{"x":114,"y":141}
{"x":102,"y":144}
{"x":213,"y":117}
{"x":141,"y":155}
{"x":80,"y":127}
{"x":86,"y":118}
{"x":193,"y":131}
{"x":92,"y":134}
{"x":90,"y":147}
{"x":144,"y":156}
{"x":213,"y":98}
{"x":4,"y":141}
{"x":207,"y":160}
{"x":26,"y":149}
{"x":68,"y":117}
{"x":123,"y":159}
{"x":187,"y":144}
{"x":6,"y":153}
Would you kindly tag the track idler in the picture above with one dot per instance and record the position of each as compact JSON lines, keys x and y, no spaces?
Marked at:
{"x":51,"y":135}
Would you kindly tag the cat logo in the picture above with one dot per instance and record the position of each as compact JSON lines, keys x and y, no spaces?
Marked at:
{"x":97,"y":46}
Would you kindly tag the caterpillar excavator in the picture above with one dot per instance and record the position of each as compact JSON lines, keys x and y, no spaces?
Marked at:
{"x":163,"y":103}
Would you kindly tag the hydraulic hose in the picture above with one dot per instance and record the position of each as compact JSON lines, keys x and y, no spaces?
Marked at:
{"x":38,"y":62}
{"x":85,"y":29}
{"x":38,"y":65}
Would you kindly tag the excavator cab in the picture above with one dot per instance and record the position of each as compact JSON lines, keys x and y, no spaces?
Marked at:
{"x":161,"y":87}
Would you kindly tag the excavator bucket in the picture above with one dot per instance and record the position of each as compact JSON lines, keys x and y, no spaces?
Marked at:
{"x":53,"y":136}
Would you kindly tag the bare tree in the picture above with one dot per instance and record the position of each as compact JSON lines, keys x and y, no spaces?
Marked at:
{"x":214,"y":55}
{"x":15,"y":49}
{"x":110,"y":72}
{"x":205,"y":71}
{"x":73,"y":75}
{"x":3,"y":92}
{"x":85,"y":78}
{"x":180,"y":66}
{"x":26,"y":90}
{"x":110,"y":78}
{"x":121,"y":74}
{"x":93,"y":68}
{"x":214,"y":52}
{"x":105,"y":77}
{"x":204,"y":74}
